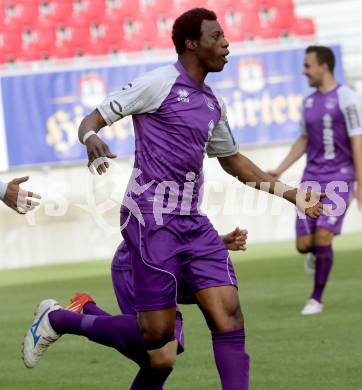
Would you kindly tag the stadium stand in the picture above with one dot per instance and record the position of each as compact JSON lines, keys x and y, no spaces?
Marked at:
{"x":51,"y":29}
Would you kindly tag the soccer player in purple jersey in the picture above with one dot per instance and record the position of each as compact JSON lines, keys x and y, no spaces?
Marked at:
{"x":331,"y":136}
{"x":177,"y":118}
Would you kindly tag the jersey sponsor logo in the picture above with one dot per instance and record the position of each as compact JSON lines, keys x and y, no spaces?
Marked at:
{"x":309,"y":103}
{"x":183,"y":96}
{"x":210,"y":103}
{"x":330,"y":103}
{"x":328,"y":138}
{"x":116,"y":108}
{"x":353,"y":117}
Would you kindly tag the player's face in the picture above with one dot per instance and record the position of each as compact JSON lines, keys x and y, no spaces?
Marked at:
{"x":312,"y":70}
{"x":212,"y":46}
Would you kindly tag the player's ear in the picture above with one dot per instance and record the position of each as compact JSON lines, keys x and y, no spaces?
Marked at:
{"x":191,"y":44}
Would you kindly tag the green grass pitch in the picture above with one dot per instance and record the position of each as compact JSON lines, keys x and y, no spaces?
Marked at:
{"x":288,"y":352}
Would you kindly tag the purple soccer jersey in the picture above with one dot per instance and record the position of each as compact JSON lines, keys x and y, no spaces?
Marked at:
{"x":329,"y":120}
{"x":176,"y":121}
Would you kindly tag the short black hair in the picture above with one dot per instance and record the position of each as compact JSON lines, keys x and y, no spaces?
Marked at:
{"x":324,"y":56}
{"x":188,"y":26}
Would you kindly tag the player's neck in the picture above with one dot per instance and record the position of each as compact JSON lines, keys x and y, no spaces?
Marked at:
{"x":328,"y":84}
{"x":193,"y":68}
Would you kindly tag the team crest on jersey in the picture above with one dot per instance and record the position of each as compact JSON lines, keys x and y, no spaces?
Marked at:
{"x":309,"y":103}
{"x":251,"y":75}
{"x":331,"y":103}
{"x":183,"y":96}
{"x":92,"y":90}
{"x":210,"y":103}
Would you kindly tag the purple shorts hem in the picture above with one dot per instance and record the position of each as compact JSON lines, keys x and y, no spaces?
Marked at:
{"x":163,"y":306}
{"x":213,"y":284}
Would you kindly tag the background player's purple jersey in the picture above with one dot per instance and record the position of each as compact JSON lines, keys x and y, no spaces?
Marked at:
{"x":176,"y":120}
{"x":329,"y":120}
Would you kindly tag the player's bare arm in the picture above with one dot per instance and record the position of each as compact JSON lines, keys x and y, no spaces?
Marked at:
{"x":297,"y":150}
{"x":356,"y":142}
{"x":97,"y":150}
{"x":247,"y":172}
{"x":235,"y":240}
{"x":18,"y":199}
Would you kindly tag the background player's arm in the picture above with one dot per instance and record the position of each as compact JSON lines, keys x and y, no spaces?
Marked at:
{"x":297,"y":150}
{"x":247,"y":172}
{"x":356,"y":142}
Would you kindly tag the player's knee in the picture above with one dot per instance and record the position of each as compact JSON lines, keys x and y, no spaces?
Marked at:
{"x":231,"y":319}
{"x":164,"y":357}
{"x":301,"y":248}
{"x":156,"y":338}
{"x":304,"y":244}
{"x":323,"y":237}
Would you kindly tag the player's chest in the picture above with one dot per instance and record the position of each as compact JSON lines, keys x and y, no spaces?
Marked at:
{"x":190,"y":113}
{"x":322,"y":112}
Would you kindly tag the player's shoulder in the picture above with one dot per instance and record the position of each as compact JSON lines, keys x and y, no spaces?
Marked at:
{"x":347,"y":94}
{"x":216,"y":95}
{"x":310,"y":97}
{"x":308,"y":101}
{"x":160,"y":75}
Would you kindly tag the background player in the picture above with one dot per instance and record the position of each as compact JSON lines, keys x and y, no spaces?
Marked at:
{"x":16,"y":198}
{"x":176,"y":117}
{"x":331,"y":135}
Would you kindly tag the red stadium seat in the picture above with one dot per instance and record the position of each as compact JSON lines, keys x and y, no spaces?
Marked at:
{"x":249,"y":3}
{"x":152,"y":8}
{"x":10,"y":44}
{"x":2,"y":13}
{"x":63,"y":51}
{"x":118,"y":10}
{"x":137,"y":36}
{"x":54,"y":12}
{"x":269,"y":32}
{"x":106,"y":38}
{"x":240,"y":25}
{"x":24,"y":14}
{"x":180,"y":6}
{"x":303,"y":27}
{"x":277,"y":3}
{"x":88,"y":11}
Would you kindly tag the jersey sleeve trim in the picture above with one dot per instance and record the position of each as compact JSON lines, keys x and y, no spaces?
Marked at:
{"x":144,"y":95}
{"x":221,"y":142}
{"x":3,"y":188}
{"x":351,"y":107}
